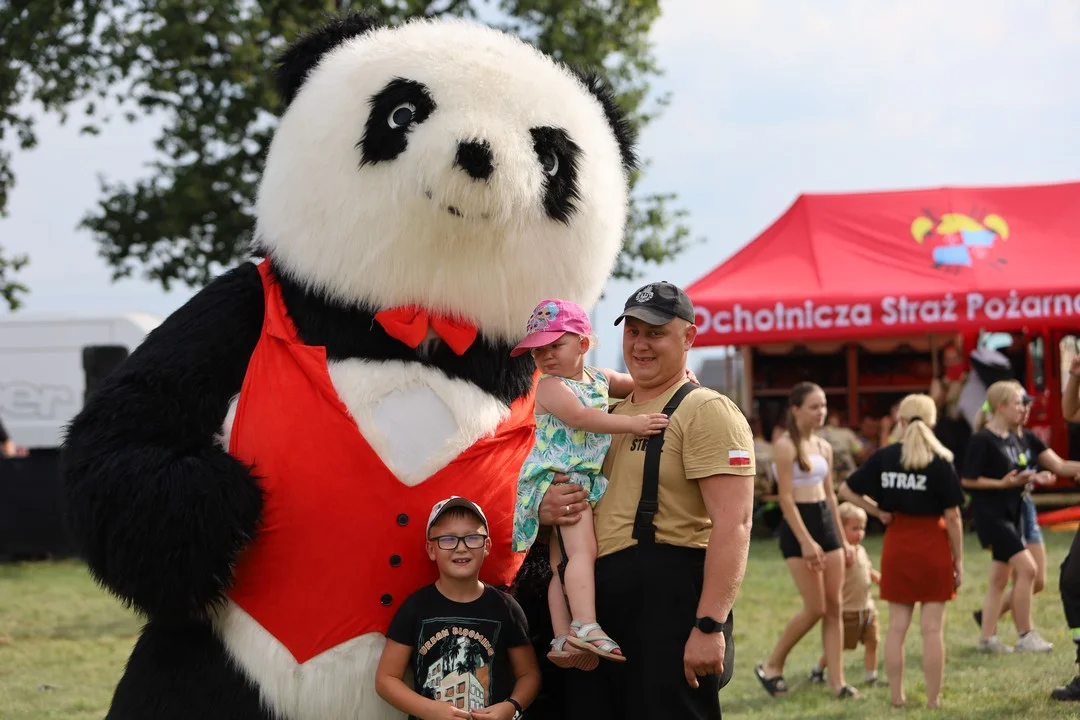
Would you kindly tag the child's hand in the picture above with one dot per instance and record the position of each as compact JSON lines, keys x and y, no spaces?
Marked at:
{"x":498,"y":711}
{"x":446,"y":711}
{"x":648,"y":424}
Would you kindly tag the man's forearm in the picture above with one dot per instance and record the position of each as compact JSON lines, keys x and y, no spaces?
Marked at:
{"x":725,"y":564}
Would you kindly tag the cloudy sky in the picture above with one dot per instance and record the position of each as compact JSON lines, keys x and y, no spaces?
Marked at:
{"x":771,"y":98}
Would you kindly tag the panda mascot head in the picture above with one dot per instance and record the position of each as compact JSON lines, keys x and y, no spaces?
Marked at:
{"x":255,"y":477}
{"x":447,"y":165}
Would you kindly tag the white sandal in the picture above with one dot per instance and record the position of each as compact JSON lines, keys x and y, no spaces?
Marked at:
{"x":581,"y":639}
{"x":578,"y":660}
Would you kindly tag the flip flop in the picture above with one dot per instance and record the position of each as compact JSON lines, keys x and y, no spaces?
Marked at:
{"x":579,"y":660}
{"x":581,"y":639}
{"x":849,"y":692}
{"x":775,"y":686}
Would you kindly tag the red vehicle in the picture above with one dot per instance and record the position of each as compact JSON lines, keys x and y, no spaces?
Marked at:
{"x":861,"y":293}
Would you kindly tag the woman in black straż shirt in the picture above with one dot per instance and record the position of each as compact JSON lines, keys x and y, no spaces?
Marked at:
{"x":912,"y":488}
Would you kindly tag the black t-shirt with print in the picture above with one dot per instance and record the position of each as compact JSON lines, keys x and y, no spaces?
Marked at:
{"x":929,"y":491}
{"x":1037,"y":447}
{"x":992,"y":456}
{"x":461,"y":650}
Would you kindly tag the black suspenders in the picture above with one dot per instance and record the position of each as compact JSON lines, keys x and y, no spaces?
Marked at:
{"x":644,"y":530}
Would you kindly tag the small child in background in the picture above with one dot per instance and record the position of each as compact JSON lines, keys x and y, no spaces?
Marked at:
{"x":859,"y":612}
{"x":573,"y":433}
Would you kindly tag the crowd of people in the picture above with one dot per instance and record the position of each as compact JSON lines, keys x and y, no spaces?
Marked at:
{"x":644,"y":551}
{"x":911,"y":484}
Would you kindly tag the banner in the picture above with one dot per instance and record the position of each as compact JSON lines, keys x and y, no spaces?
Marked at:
{"x":766,"y":321}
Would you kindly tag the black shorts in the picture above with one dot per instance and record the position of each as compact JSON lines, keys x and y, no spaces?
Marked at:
{"x":1000,"y":534}
{"x":819,"y":522}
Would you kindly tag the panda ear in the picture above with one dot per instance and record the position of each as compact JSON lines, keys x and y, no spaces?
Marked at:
{"x":618,"y":119}
{"x":304,"y":53}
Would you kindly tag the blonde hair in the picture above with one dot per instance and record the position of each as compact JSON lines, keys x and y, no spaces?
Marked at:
{"x":997,"y":394}
{"x":850,"y":511}
{"x":918,"y":444}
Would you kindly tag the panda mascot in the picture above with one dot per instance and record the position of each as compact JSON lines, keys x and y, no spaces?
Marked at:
{"x":255,"y":479}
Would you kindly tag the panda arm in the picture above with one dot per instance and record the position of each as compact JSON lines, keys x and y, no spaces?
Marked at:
{"x":158,"y":508}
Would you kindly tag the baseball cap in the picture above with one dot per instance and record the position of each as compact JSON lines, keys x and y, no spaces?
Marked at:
{"x":549,"y":321}
{"x":658,"y":304}
{"x":452,"y":502}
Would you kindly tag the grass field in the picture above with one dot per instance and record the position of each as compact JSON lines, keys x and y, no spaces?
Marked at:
{"x":63,"y":644}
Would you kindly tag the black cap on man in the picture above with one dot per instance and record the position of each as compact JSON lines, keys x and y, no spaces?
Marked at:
{"x":658,"y":303}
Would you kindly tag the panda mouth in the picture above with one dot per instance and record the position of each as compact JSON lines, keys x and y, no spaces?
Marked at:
{"x":453,"y":210}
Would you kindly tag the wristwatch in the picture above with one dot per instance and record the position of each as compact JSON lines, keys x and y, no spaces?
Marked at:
{"x":518,"y":710}
{"x":707,"y":625}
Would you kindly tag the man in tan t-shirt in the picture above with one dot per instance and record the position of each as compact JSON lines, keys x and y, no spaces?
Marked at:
{"x":665,"y":601}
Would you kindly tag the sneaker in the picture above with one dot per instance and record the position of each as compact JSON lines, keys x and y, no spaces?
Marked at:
{"x":1070,"y":692}
{"x":817,"y":676}
{"x":1031,"y":642}
{"x":978,"y":618}
{"x":993,"y":645}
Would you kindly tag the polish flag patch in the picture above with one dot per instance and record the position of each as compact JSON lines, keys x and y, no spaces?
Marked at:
{"x":738,"y":457}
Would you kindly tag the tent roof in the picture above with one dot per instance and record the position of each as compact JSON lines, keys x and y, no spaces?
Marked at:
{"x":872,"y":255}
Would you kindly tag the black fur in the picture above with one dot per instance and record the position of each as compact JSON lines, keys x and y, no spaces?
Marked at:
{"x":159,"y":510}
{"x":352,"y":332}
{"x":303,"y":54}
{"x":474,"y":157}
{"x":181,"y":671}
{"x":557,"y":152}
{"x":624,"y":130}
{"x":386,"y":130}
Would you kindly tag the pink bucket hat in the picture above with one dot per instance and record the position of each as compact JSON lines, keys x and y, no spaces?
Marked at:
{"x":550,"y":319}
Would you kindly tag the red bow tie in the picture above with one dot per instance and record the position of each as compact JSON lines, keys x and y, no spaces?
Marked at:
{"x":410,"y":325}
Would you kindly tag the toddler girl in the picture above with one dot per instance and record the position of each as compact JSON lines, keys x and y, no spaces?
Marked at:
{"x":573,"y":431}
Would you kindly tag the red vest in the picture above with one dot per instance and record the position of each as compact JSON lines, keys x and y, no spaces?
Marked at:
{"x":341,"y":543}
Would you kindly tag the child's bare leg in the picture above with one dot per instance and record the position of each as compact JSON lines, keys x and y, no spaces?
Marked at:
{"x":871,"y":659}
{"x":560,"y":614}
{"x":580,"y":541}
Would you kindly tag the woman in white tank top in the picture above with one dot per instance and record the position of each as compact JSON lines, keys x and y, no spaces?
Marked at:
{"x":813,"y":548}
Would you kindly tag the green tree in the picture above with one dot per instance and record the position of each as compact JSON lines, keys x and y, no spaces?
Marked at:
{"x":205,"y":69}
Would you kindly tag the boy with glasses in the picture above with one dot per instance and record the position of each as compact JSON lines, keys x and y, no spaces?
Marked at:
{"x":467,"y":642}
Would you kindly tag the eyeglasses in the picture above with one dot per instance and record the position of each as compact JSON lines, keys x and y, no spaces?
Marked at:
{"x":450,"y":542}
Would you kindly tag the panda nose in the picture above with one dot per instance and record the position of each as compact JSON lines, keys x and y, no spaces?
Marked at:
{"x":475,"y":159}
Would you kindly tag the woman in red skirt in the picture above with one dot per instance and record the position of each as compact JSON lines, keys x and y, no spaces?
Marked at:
{"x":912,"y":487}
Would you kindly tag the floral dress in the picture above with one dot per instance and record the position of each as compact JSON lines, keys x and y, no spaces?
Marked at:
{"x":559,"y":448}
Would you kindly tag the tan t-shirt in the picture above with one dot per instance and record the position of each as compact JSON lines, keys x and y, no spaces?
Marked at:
{"x":856,"y":593}
{"x":707,"y":434}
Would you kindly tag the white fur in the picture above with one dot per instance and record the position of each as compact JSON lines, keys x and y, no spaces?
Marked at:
{"x":417,"y":419}
{"x":370,"y":234}
{"x":334,"y":685}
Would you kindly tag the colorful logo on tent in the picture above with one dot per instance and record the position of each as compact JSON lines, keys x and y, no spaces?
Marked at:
{"x":958,"y":240}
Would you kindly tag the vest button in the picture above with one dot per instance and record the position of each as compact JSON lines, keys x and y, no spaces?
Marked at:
{"x":403,"y":519}
{"x":395,"y":560}
{"x":386,"y":599}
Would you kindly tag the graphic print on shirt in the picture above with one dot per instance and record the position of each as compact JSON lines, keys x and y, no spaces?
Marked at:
{"x":455,"y":660}
{"x":903,"y":480}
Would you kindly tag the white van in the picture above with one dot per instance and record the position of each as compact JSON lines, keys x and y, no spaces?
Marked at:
{"x":48,"y":364}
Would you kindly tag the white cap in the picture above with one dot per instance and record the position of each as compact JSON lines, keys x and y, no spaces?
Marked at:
{"x":452,"y":502}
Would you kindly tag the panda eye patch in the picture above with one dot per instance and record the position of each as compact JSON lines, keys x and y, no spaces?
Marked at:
{"x":395,"y":111}
{"x":557,"y":156}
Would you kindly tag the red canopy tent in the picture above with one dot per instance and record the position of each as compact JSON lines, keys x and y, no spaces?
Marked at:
{"x":849,"y":266}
